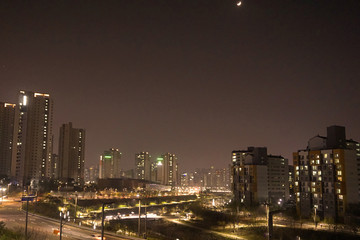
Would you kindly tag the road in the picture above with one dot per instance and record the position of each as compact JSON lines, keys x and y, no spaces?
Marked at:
{"x":222,"y":234}
{"x":14,"y":218}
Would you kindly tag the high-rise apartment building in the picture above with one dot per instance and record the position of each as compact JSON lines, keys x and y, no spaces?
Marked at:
{"x":143,"y":166}
{"x":110,"y":164}
{"x":167,"y":169}
{"x":92,"y":174}
{"x":8,"y":119}
{"x":55,"y":171}
{"x":33,"y":141}
{"x":327,"y":175}
{"x":258,"y":177}
{"x":71,"y":154}
{"x":278,"y":179}
{"x":208,"y":179}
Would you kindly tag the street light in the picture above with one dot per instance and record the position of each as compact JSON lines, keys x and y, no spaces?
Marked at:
{"x":315,"y":210}
{"x":103,"y":216}
{"x":65,"y":216}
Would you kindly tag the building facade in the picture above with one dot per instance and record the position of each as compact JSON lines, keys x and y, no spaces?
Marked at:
{"x":32,"y":161}
{"x":110,"y":164}
{"x":207,"y":179}
{"x":92,"y":174}
{"x":71,"y":154}
{"x":327,"y":175}
{"x":258,"y":177}
{"x":8,"y":119}
{"x":143,"y":166}
{"x":167,"y":169}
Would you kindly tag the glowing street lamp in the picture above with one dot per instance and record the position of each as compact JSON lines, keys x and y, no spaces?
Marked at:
{"x":63,"y":215}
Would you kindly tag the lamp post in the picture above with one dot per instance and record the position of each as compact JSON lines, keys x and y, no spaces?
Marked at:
{"x":102,"y":221}
{"x":315,"y":211}
{"x":26,"y":221}
{"x":103,"y":217}
{"x":63,"y":216}
{"x":27,"y":199}
{"x":76,"y":203}
{"x":145,"y":234}
{"x":139,"y":223}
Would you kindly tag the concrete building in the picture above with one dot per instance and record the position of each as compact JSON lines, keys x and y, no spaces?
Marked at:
{"x":278,"y":179}
{"x":291,"y":182}
{"x":91,"y":174}
{"x":258,"y":177}
{"x":55,"y":166}
{"x":110,"y":164}
{"x":327,"y":175}
{"x":143,"y":166}
{"x":71,"y":154}
{"x":8,"y":119}
{"x":167,"y":169}
{"x":207,"y":179}
{"x":34,"y":138}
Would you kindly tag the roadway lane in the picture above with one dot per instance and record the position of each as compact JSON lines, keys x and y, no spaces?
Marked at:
{"x":14,"y":218}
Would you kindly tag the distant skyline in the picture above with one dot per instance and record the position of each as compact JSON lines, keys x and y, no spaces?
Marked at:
{"x":195,"y":78}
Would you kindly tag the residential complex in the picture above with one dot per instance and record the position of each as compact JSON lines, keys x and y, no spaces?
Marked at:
{"x":71,"y":154}
{"x":167,"y":169}
{"x":110,"y":164}
{"x":259,"y":177}
{"x":34,"y":138}
{"x":143,"y":166}
{"x":327,"y":175}
{"x":91,"y":174}
{"x":207,"y":178}
{"x":8,"y":114}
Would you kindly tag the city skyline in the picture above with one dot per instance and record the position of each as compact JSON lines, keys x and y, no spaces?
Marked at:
{"x":195,"y":79}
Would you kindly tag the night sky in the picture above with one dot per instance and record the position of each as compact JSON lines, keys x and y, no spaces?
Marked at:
{"x":198,"y":78}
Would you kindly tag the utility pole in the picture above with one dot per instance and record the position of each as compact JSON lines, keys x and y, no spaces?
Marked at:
{"x":315,"y":217}
{"x":103,"y":217}
{"x":27,"y":199}
{"x":139,"y":226}
{"x":63,"y":216}
{"x":102,"y":221}
{"x":76,"y":202}
{"x":27,"y":211}
{"x":145,"y":234}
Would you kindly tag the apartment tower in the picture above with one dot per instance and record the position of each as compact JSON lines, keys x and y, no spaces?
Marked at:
{"x":110,"y":164}
{"x":143,"y":166}
{"x":327,"y":175}
{"x":32,"y":161}
{"x":8,"y":118}
{"x":71,"y":154}
{"x":258,"y":177}
{"x":167,"y":169}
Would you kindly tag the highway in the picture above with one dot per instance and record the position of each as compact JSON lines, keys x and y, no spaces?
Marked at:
{"x":14,"y":218}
